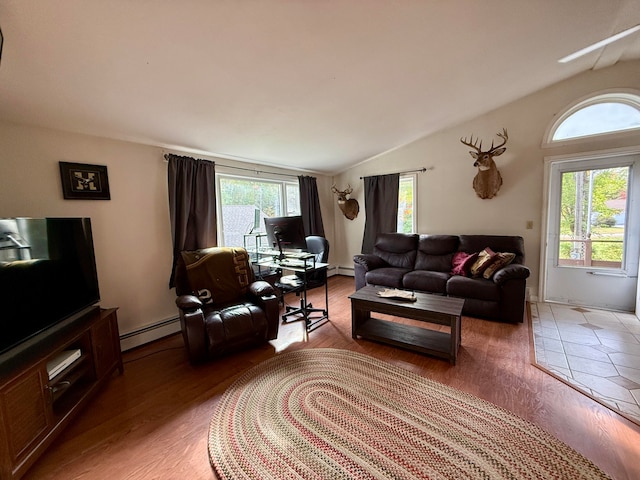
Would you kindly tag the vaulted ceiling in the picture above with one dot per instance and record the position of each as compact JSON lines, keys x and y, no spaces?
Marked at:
{"x":316,"y":85}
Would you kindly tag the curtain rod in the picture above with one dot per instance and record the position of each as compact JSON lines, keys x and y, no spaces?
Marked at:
{"x":420,"y":170}
{"x":166,"y":160}
{"x":257,"y":171}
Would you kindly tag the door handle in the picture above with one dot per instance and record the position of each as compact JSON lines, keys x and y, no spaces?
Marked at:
{"x":608,"y":274}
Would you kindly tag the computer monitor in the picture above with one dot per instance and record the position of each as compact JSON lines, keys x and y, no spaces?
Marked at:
{"x":285,"y":233}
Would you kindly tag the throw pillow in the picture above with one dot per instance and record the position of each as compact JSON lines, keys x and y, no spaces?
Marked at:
{"x":469,"y":262}
{"x":502,"y":260}
{"x":485,"y":258}
{"x":457,"y":262}
{"x":462,"y":262}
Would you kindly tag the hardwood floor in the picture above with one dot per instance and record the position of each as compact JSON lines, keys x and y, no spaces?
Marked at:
{"x":152,"y":421}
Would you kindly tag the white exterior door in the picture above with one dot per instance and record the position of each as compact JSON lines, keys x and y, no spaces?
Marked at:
{"x":593,"y":232}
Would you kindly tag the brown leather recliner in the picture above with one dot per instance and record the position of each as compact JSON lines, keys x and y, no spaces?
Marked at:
{"x":222,"y":307}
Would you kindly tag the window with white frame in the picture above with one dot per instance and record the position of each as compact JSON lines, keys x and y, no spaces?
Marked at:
{"x":600,"y":114}
{"x":406,"y":204}
{"x":246,"y":201}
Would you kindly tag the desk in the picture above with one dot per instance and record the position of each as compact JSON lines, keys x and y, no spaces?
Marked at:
{"x":305,"y":264}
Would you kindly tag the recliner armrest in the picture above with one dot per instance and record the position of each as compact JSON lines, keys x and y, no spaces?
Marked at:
{"x":193,"y":327}
{"x":261,"y":289}
{"x":511,"y":272}
{"x":369,"y":261}
{"x":264,"y":295}
{"x":188,"y":302}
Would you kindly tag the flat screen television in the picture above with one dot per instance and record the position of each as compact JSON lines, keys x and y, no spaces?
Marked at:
{"x":47,"y":276}
{"x":285,"y":233}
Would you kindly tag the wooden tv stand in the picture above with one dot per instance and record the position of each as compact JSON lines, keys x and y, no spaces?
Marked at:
{"x":35,"y":409}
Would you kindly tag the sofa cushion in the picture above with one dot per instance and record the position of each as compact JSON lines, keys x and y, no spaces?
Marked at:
{"x":397,"y":249}
{"x":426,"y":281}
{"x":389,"y":276}
{"x":435,"y":252}
{"x":434,"y":263}
{"x":477,"y":288}
{"x":502,"y":259}
{"x":231,"y":326}
{"x":438,"y":244}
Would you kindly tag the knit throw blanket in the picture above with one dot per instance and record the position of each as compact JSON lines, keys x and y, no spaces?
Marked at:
{"x":335,"y":414}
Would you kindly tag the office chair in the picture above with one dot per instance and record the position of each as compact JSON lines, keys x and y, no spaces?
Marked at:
{"x":319,"y":246}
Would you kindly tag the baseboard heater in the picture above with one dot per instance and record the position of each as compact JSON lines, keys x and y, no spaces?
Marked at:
{"x":348,"y":271}
{"x":149,"y":333}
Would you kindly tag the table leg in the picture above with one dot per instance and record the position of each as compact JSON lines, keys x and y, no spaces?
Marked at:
{"x":456,"y":338}
{"x":358,"y":317}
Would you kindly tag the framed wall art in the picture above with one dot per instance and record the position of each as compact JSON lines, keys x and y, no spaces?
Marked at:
{"x":81,"y":181}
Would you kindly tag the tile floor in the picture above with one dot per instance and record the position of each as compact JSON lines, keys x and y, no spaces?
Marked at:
{"x":594,"y":350}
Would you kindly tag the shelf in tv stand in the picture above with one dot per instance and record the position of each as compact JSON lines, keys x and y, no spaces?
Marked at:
{"x":68,"y":380}
{"x":38,"y":408}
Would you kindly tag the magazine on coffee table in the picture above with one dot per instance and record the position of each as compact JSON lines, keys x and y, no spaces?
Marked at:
{"x":397,"y":294}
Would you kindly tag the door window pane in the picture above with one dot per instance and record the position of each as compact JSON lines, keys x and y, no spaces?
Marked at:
{"x":593,"y":218}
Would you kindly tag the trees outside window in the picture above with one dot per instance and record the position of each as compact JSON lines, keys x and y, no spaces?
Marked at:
{"x":592,"y":217}
{"x":406,"y":211}
{"x":245,"y":202}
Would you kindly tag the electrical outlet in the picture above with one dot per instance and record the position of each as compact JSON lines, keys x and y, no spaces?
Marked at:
{"x":529,"y":224}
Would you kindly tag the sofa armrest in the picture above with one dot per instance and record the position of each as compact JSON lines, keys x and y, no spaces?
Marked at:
{"x":369,"y":261}
{"x":511,"y":272}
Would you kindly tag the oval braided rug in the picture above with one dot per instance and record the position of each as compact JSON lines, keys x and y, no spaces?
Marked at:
{"x":335,"y":414}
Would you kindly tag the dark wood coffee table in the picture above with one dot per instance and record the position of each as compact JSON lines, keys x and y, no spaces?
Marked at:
{"x":429,"y":308}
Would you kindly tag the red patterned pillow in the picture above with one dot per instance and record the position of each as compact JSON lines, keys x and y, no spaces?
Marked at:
{"x":485,"y":258}
{"x":462,"y":262}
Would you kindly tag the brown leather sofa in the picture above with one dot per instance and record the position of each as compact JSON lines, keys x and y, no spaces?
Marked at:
{"x":424,"y":263}
{"x":223,"y":308}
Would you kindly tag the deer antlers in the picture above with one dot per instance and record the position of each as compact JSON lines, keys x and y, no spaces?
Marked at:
{"x":478,"y":148}
{"x":342,"y":193}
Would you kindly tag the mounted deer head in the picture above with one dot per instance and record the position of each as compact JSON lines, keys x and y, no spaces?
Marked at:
{"x":349,"y":206}
{"x":488,"y":180}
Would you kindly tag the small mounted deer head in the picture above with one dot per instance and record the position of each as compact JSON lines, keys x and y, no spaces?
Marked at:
{"x":488,"y":180}
{"x":349,"y":206}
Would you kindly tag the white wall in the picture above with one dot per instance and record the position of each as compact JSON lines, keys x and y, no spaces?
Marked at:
{"x":446,"y":202}
{"x":131,"y":231}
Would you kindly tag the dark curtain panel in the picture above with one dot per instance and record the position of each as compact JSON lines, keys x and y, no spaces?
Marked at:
{"x":310,"y":206}
{"x":380,"y":206}
{"x":192,"y":205}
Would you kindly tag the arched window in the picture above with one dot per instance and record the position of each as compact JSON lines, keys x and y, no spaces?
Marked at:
{"x":600,"y":114}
